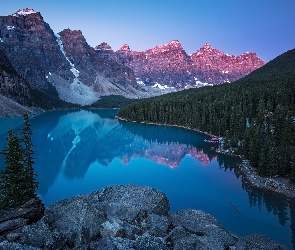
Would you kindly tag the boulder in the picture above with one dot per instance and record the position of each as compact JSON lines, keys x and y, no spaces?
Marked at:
{"x":132,"y":202}
{"x":6,"y":245}
{"x":258,"y":242}
{"x":32,"y":210}
{"x":12,"y":224}
{"x":158,"y":225}
{"x":149,"y":242}
{"x":209,"y":231}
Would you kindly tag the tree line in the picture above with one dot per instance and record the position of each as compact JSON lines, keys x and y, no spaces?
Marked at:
{"x":255,"y":114}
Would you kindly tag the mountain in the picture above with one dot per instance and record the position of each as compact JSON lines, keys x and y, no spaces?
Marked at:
{"x":216,"y":67}
{"x":65,"y":66}
{"x":64,"y":61}
{"x":169,"y":65}
{"x":255,"y":114}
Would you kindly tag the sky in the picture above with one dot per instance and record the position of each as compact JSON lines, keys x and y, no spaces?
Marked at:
{"x":266,"y":27}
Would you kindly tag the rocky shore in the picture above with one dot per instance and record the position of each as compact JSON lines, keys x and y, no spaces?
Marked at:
{"x":276,"y":184}
{"x":118,"y":218}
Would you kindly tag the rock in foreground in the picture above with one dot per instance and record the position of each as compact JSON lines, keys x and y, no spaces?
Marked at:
{"x":126,"y":217}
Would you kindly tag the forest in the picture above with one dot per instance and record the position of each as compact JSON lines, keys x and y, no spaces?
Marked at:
{"x":255,"y":115}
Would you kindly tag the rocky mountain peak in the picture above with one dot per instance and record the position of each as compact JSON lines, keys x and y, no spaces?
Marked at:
{"x":208,"y":49}
{"x":125,"y":47}
{"x":207,"y":46}
{"x":175,"y":43}
{"x":103,"y":46}
{"x":172,"y":46}
{"x":24,"y":12}
{"x":71,"y":34}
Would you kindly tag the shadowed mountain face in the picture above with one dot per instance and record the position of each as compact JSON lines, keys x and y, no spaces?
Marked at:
{"x":11,"y":84}
{"x":63,"y":60}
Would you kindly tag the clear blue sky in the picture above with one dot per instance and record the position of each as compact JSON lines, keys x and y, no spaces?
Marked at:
{"x":266,"y":27}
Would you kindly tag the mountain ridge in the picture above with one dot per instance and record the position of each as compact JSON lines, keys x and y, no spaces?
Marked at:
{"x":165,"y":63}
{"x":81,"y":74}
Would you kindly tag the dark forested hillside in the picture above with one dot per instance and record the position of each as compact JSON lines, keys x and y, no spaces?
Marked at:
{"x":255,"y":114}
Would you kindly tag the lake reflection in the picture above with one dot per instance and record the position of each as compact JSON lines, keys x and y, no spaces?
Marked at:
{"x":80,"y":151}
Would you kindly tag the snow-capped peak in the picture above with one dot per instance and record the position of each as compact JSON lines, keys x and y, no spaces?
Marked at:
{"x":24,"y":12}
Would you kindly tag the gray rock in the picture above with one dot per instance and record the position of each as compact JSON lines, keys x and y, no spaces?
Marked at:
{"x":127,"y":202}
{"x":13,"y":236}
{"x":6,"y":245}
{"x":190,"y":242}
{"x":257,"y":242}
{"x":78,"y":237}
{"x":123,"y":243}
{"x":178,"y":233}
{"x":209,"y":230}
{"x":158,"y":225}
{"x":112,"y":228}
{"x":180,"y":238}
{"x":103,"y":244}
{"x":150,"y":243}
{"x":32,"y":210}
{"x":37,"y":235}
{"x":77,"y":217}
{"x":12,"y":224}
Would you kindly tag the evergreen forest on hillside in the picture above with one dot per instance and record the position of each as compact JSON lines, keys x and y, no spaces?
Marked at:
{"x":255,"y":114}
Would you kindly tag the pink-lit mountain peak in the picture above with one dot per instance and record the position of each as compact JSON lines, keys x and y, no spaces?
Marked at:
{"x":24,"y":12}
{"x":208,"y":49}
{"x":125,"y":47}
{"x":103,"y":46}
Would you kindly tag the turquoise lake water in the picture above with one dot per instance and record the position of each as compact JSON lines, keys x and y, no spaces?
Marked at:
{"x":80,"y":151}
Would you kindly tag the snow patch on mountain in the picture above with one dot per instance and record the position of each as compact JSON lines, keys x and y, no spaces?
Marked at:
{"x":158,"y":85}
{"x":24,"y":12}
{"x":77,"y":92}
{"x":73,"y":69}
{"x":140,"y":82}
{"x":10,"y":27}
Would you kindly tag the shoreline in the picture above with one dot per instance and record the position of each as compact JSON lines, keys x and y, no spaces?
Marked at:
{"x":281,"y":185}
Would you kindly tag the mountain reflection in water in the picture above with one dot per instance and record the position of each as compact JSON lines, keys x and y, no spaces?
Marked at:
{"x":79,"y":151}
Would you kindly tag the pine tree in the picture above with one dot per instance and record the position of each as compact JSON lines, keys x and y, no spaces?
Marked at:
{"x":30,"y":184}
{"x":11,"y":176}
{"x":17,"y":179}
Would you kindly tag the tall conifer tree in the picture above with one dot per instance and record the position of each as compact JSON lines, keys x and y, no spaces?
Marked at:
{"x":17,"y":179}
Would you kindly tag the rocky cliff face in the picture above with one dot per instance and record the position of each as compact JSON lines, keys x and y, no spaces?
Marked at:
{"x":30,"y":45}
{"x":11,"y":84}
{"x":216,"y":67}
{"x":169,"y":65}
{"x":165,"y":64}
{"x":64,"y":60}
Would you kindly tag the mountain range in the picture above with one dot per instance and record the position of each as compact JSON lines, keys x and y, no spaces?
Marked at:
{"x":64,"y":66}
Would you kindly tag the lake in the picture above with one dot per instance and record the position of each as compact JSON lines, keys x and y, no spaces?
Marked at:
{"x":79,"y":151}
